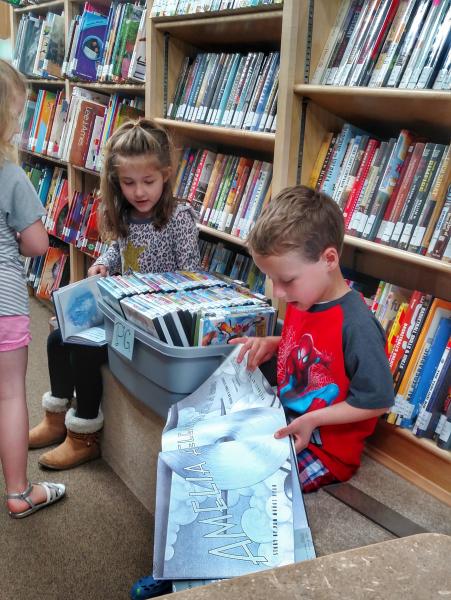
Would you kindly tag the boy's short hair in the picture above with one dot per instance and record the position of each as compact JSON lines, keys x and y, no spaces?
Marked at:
{"x":301,"y":219}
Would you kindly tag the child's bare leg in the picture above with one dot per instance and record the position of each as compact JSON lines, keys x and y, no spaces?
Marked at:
{"x":14,"y":427}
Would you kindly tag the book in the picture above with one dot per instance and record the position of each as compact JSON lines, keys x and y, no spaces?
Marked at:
{"x":79,"y":317}
{"x":226,"y":501}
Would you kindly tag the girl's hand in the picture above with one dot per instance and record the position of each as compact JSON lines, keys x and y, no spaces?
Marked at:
{"x":301,"y":429}
{"x":260,"y":349}
{"x":98,"y":270}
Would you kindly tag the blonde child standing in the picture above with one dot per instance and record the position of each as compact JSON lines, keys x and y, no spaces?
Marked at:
{"x":21,"y":233}
{"x":150,"y":233}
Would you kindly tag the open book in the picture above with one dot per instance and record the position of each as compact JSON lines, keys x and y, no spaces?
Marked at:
{"x":78,"y":314}
{"x":228,"y":495}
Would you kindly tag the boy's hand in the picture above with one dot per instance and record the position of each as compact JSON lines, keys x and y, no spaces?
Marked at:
{"x":98,"y":270}
{"x":260,"y":349}
{"x":301,"y":429}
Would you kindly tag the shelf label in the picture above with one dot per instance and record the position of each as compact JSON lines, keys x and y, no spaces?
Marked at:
{"x":123,"y":338}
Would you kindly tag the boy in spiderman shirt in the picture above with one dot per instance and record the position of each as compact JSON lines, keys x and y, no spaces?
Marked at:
{"x":332,"y":372}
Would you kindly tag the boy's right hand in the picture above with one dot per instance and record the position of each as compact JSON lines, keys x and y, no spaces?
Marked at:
{"x":98,"y":270}
{"x":260,"y":349}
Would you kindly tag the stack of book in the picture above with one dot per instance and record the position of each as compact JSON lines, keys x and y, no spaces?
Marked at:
{"x":80,"y":225}
{"x":169,"y":8}
{"x":228,"y":90}
{"x":216,"y":258}
{"x":394,"y":192}
{"x":42,"y":122}
{"x":39,"y":48}
{"x":189,"y":308}
{"x":83,"y":125}
{"x":107,"y":46}
{"x":418,"y":334}
{"x":48,"y":272}
{"x":389,"y":43}
{"x":228,"y":192}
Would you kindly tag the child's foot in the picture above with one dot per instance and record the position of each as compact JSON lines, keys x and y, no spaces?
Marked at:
{"x":35,"y":497}
{"x":148,"y":587}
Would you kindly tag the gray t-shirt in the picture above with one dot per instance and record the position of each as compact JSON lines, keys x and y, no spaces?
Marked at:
{"x":20,"y":207}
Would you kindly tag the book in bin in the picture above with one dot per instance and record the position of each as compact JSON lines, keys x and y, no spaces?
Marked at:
{"x":77,"y":311}
{"x":228,"y":500}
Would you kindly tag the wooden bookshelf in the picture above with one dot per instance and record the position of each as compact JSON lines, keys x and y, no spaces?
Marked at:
{"x":299,"y":29}
{"x":319,"y":109}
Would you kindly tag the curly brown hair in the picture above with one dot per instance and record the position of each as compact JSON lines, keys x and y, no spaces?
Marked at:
{"x":133,"y":138}
{"x":301,"y":219}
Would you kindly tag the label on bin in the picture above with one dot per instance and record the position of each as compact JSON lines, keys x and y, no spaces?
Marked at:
{"x":123,"y":338}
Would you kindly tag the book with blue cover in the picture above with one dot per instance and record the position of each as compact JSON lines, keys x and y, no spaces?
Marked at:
{"x":93,"y":30}
{"x":229,"y":500}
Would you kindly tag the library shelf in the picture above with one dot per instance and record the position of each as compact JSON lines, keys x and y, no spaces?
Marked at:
{"x":110,"y":88}
{"x":238,"y":138}
{"x":85,"y":170}
{"x":418,"y":460}
{"x":225,"y":28}
{"x":41,"y":8}
{"x":44,"y":81}
{"x":427,"y":112}
{"x":56,"y":161}
{"x":222,"y":235}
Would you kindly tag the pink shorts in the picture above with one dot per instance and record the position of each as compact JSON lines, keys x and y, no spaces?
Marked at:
{"x":14,"y":332}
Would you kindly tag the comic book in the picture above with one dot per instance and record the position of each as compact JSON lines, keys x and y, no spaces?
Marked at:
{"x":228,"y":495}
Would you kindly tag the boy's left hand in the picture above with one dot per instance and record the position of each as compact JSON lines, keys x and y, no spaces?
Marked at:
{"x":301,"y":429}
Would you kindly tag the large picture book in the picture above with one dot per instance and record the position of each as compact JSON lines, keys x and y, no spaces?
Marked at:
{"x":229,"y":500}
{"x":78,"y":314}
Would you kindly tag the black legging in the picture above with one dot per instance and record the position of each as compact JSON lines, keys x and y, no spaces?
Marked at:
{"x":76,"y":367}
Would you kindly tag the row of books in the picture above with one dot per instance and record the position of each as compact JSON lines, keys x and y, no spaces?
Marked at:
{"x":75,"y":130}
{"x":418,"y":330}
{"x":215,"y":257}
{"x":188,"y":313}
{"x":395,"y":192}
{"x":228,"y":90}
{"x":39,"y":48}
{"x":227,"y":191}
{"x":80,"y":225}
{"x":169,"y":8}
{"x":389,"y":43}
{"x":107,"y":45}
{"x":48,"y":272}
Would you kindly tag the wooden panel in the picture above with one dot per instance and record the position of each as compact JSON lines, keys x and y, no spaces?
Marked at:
{"x":386,"y":111}
{"x":418,"y":460}
{"x":5,"y":24}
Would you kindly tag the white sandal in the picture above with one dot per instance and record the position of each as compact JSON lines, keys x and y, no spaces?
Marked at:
{"x":54,"y":491}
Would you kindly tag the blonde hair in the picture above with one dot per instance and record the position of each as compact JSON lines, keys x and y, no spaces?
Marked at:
{"x":134,"y":138}
{"x":299,"y":219}
{"x":11,"y":84}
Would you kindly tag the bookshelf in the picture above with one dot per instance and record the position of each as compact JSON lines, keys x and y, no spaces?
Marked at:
{"x":299,"y":30}
{"x":318,"y":109}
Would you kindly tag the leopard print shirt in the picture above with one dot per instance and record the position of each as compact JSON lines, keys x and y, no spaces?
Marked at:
{"x":148,"y":250}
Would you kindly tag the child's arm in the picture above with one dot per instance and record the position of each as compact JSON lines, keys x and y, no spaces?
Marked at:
{"x":110,"y":262}
{"x":260,"y":349}
{"x":33,"y":240}
{"x":342,"y":413}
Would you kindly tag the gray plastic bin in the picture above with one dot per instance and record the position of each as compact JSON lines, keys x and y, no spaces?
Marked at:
{"x":159,"y":375}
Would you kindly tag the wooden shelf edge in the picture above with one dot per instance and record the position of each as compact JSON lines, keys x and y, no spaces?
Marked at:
{"x":39,"y":7}
{"x":401,"y":255}
{"x":417,"y":460}
{"x":306,"y":89}
{"x":244,"y":138}
{"x":57,"y":161}
{"x":109,"y":86}
{"x":226,"y":16}
{"x":222,"y":235}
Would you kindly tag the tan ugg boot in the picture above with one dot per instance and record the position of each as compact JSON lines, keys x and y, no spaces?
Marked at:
{"x":52,"y":428}
{"x":81,"y":444}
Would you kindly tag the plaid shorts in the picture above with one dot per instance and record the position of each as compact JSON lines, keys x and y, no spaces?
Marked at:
{"x":312,"y":473}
